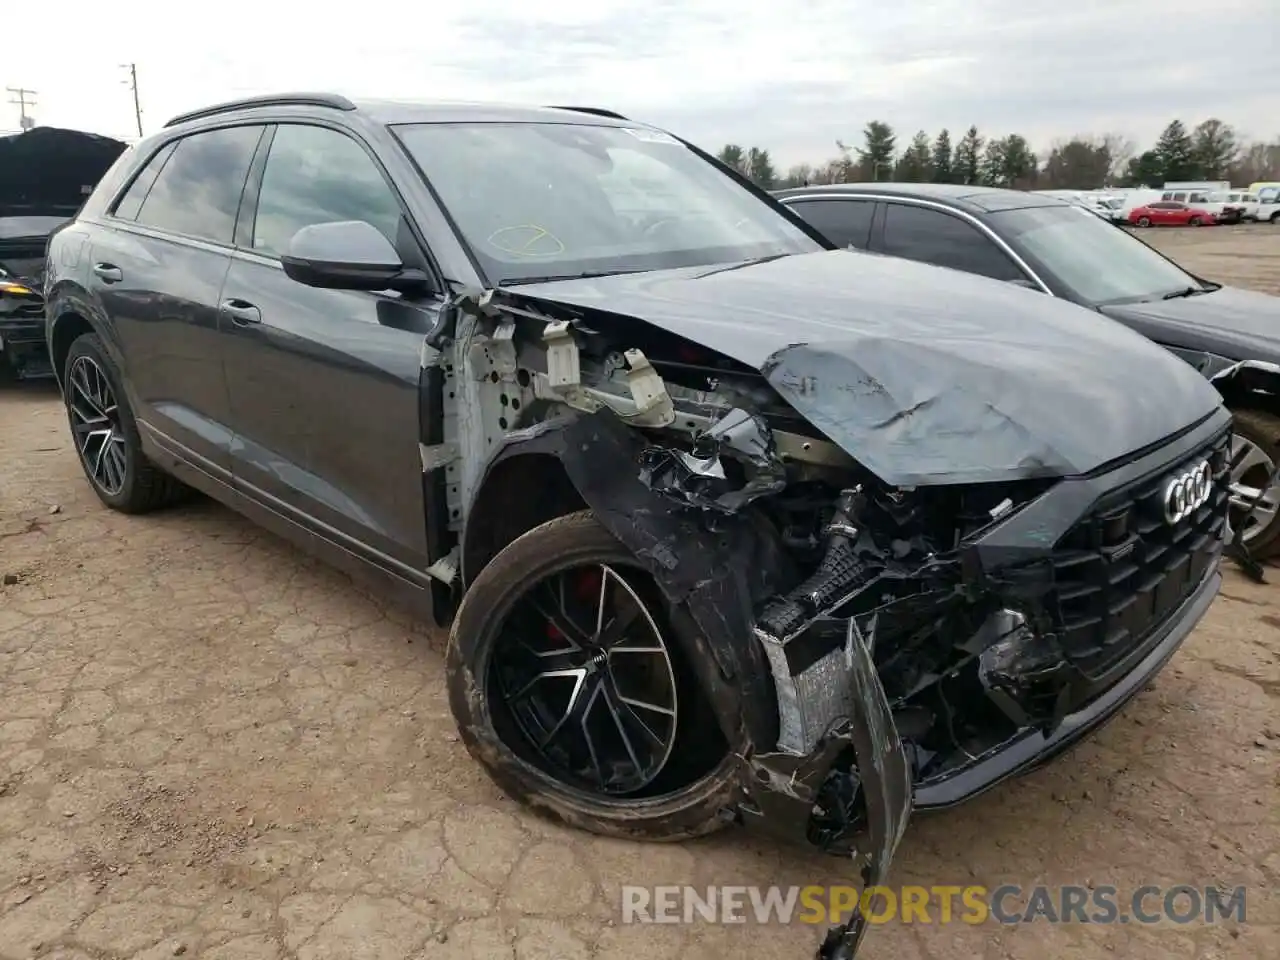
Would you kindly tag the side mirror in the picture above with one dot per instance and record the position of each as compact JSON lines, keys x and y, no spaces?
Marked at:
{"x":348,"y":255}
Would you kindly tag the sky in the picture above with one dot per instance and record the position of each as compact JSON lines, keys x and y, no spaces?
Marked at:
{"x":792,"y":79}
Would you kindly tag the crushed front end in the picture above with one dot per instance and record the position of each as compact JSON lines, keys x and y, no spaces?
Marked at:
{"x":888,"y":646}
{"x":993,"y":654}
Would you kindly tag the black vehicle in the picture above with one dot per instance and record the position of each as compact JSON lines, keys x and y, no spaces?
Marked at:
{"x":45,"y":175}
{"x":1231,"y":336}
{"x":730,"y":526}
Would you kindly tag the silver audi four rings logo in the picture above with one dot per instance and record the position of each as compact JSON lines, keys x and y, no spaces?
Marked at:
{"x":1187,"y":492}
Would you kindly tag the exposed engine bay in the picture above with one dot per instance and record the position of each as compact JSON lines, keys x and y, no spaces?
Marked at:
{"x":885,"y":640}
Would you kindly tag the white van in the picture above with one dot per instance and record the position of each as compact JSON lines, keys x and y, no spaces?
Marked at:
{"x":1190,"y":196}
{"x":1222,"y":202}
{"x":1268,"y":194}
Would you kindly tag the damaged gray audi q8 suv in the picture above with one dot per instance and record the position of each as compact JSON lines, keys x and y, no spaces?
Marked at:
{"x":730,"y":526}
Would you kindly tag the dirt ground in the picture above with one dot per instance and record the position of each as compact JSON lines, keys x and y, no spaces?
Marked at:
{"x":212,"y":746}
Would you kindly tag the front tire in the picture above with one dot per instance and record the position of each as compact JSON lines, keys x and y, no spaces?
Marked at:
{"x":1259,"y":434}
{"x":105,"y":433}
{"x":546,"y":701}
{"x":1144,"y":221}
{"x":1195,"y":221}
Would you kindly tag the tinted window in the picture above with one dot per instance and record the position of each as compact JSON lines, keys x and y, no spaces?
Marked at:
{"x":317,"y":175}
{"x":934,"y":237}
{"x":198,"y":191}
{"x":133,"y":198}
{"x":843,"y":222}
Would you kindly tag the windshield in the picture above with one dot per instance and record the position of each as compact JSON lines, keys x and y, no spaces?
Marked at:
{"x":540,"y":200}
{"x":1097,"y":262}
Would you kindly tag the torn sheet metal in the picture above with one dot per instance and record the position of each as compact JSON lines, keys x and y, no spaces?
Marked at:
{"x":720,"y":576}
{"x":876,"y":785}
{"x":885,"y":781}
{"x":698,"y":478}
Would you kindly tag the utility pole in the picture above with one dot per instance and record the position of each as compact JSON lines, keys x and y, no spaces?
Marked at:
{"x":133,"y":85}
{"x":24,"y":98}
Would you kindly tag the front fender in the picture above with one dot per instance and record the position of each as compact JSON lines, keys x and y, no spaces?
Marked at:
{"x":1249,"y":383}
{"x":719,"y":577}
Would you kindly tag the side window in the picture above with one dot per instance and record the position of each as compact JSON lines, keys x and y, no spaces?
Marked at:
{"x":1179,"y":196}
{"x":197,"y":193}
{"x":318,"y":175}
{"x":846,"y":223}
{"x":917,"y":233}
{"x":128,"y":206}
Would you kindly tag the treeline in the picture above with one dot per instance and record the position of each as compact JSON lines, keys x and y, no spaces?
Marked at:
{"x":1211,"y":150}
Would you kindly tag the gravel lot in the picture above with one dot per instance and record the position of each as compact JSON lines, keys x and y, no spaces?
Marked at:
{"x":212,"y":746}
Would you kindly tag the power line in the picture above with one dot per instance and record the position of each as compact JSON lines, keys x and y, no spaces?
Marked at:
{"x":133,"y":85}
{"x":23,"y":98}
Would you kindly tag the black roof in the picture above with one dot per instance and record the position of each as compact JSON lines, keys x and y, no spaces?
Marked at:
{"x":411,"y":111}
{"x":967,"y":197}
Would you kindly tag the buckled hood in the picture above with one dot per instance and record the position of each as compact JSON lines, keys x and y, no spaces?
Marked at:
{"x":925,"y":375}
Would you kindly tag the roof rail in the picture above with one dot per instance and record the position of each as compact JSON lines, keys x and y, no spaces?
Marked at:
{"x":332,"y":100}
{"x":596,"y":111}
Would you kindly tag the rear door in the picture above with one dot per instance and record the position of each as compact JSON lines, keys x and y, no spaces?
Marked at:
{"x":323,"y":384}
{"x":845,"y":221}
{"x":158,"y":273}
{"x":935,"y":236}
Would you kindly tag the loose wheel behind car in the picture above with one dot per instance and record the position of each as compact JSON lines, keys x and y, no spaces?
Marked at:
{"x":573,"y":681}
{"x":1255,"y":449}
{"x":106,"y":435}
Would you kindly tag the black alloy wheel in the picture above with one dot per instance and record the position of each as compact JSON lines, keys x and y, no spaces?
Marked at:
{"x":95,"y":425}
{"x":585,"y":671}
{"x":582,"y":689}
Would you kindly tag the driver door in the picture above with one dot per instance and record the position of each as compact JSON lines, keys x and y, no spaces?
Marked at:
{"x":323,"y":384}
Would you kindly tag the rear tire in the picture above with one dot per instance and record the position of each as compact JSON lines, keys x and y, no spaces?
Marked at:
{"x":1262,"y":431}
{"x":697,"y":788}
{"x":105,"y":434}
{"x":1144,"y":221}
{"x":1274,"y":219}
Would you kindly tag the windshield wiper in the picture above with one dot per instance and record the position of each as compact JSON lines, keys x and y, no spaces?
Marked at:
{"x":740,"y":265}
{"x":1184,"y":292}
{"x":585,"y":275}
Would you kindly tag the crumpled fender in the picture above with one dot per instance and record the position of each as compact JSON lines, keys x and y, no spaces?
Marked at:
{"x":1250,"y":376}
{"x":719,"y":577}
{"x":722,"y":576}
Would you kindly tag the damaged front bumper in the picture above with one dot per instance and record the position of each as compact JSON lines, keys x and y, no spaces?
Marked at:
{"x":1059,"y":610}
{"x":845,"y":792}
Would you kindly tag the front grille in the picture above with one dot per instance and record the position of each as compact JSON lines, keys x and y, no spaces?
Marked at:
{"x":1124,"y":569}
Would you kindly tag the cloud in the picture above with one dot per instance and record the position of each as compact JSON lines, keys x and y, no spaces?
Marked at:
{"x":793,"y":79}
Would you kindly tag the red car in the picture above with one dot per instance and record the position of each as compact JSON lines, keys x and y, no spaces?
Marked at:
{"x":1170,"y":213}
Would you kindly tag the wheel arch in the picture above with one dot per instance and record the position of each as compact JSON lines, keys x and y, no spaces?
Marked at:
{"x":591,"y":462}
{"x":64,"y":329}
{"x":522,"y":489}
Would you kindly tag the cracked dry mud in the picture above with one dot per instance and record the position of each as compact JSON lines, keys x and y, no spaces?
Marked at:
{"x":212,"y":746}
